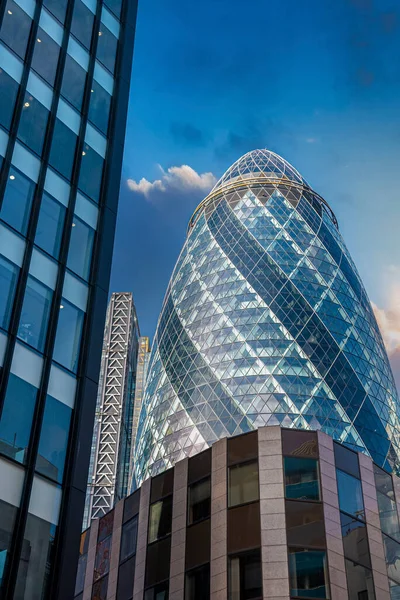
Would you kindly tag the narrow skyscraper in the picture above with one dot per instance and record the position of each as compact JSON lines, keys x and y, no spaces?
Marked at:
{"x":65,"y":69}
{"x":265,"y":322}
{"x":112,"y":436}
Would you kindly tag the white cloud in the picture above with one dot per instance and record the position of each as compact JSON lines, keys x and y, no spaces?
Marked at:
{"x":311,"y":140}
{"x":389,"y":317}
{"x":177,"y":179}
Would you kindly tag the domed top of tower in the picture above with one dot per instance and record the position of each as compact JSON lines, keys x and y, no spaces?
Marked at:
{"x":260,"y":163}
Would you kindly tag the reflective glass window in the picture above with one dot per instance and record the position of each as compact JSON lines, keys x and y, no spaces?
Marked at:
{"x":82,"y":23}
{"x":8,"y":515}
{"x":107,"y":48}
{"x":245,"y":576}
{"x":91,"y":173}
{"x":35,"y":314}
{"x":8,"y":95}
{"x":158,"y":592}
{"x":106,"y":526}
{"x":126,"y":576}
{"x":305,"y":524}
{"x":73,"y":83}
{"x":115,"y":6}
{"x":394,"y":590}
{"x":99,"y":107}
{"x":102,"y":559}
{"x":54,"y":439}
{"x":346,"y":460}
{"x":197,"y":585}
{"x":392,"y":553}
{"x":16,"y":418}
{"x":128,"y":539}
{"x":16,"y":28}
{"x":301,"y":478}
{"x":63,"y":147}
{"x":8,"y":281}
{"x":355,"y":540}
{"x":199,"y":501}
{"x":68,"y":336}
{"x":383,"y":482}
{"x":80,"y":248}
{"x":350,"y":494}
{"x":50,"y":225}
{"x":57,"y":7}
{"x":99,"y":590}
{"x":360,"y":583}
{"x":308,"y":573}
{"x":81,"y":572}
{"x":388,"y":515}
{"x":17,"y":201}
{"x":45,"y":56}
{"x":160,"y":519}
{"x":243,"y":483}
{"x":33,"y":122}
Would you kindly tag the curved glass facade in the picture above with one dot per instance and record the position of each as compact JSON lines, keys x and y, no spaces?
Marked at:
{"x":265,"y":322}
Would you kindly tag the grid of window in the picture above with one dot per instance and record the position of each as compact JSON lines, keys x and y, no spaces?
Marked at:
{"x":57,"y":89}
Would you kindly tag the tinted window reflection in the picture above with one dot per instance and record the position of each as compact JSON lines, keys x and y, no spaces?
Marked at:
{"x":126,"y":576}
{"x":45,"y":56}
{"x":54,"y":439}
{"x":8,"y":95}
{"x":80,"y":248}
{"x":17,"y":200}
{"x":346,"y":460}
{"x":243,"y":484}
{"x":73,"y":83}
{"x":82,"y":23}
{"x":360,"y":584}
{"x":355,"y":541}
{"x":128,"y":539}
{"x":15,"y":29}
{"x":8,"y":515}
{"x":245,"y":576}
{"x":307,"y":573}
{"x":62,"y":151}
{"x":305,"y":524}
{"x":350,"y":494}
{"x":388,"y":516}
{"x":91,"y":173}
{"x":50,"y":225}
{"x":198,"y":584}
{"x":8,"y":281}
{"x":32,"y":125}
{"x":99,"y":108}
{"x":68,"y":336}
{"x":114,"y":5}
{"x":57,"y":7}
{"x":199,"y":498}
{"x":392,"y":553}
{"x":301,"y":478}
{"x":107,"y":48}
{"x":160,"y":519}
{"x":35,"y":313}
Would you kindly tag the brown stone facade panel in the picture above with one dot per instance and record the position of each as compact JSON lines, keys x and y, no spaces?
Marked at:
{"x":141,"y":548}
{"x":333,"y":531}
{"x":376,"y":549}
{"x":178,"y":537}
{"x":94,"y":530}
{"x":274,"y":554}
{"x":218,"y":563}
{"x":115,"y":549}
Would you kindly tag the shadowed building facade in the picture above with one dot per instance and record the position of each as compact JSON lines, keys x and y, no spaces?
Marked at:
{"x":265,"y":322}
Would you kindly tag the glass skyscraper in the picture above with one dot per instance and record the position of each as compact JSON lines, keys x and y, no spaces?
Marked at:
{"x":265,"y":322}
{"x":64,"y":82}
{"x":112,"y":436}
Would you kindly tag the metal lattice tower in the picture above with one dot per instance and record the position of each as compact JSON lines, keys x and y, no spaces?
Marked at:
{"x":114,"y":406}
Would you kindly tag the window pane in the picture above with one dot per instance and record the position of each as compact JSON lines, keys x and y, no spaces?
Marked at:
{"x":91,"y":173}
{"x":350,"y":494}
{"x":45,"y":56}
{"x":68,"y":337}
{"x":106,"y":525}
{"x":394,"y":590}
{"x":16,"y":418}
{"x":307,"y":573}
{"x":126,"y":575}
{"x":8,"y":95}
{"x":99,"y":108}
{"x":107,"y":48}
{"x":301,"y":478}
{"x":299,"y":443}
{"x":15,"y":29}
{"x":62,"y":151}
{"x":199,"y":501}
{"x":355,"y":540}
{"x":243,"y":484}
{"x":35,"y":567}
{"x":388,"y":516}
{"x":57,"y":7}
{"x":8,"y":281}
{"x":102,"y":560}
{"x":245,"y":576}
{"x":82,"y":23}
{"x":129,"y":538}
{"x":35,"y":314}
{"x":80,"y":248}
{"x":392,"y":553}
{"x":54,"y":439}
{"x":160,"y":519}
{"x":346,"y":460}
{"x":73,"y":83}
{"x":383,"y":482}
{"x":50,"y":225}
{"x":360,"y":584}
{"x":305,"y":524}
{"x":17,"y":201}
{"x":32,"y":125}
{"x":115,"y":6}
{"x":159,"y":592}
{"x":99,"y":590}
{"x":80,"y":576}
{"x":198,"y":584}
{"x":8,"y":514}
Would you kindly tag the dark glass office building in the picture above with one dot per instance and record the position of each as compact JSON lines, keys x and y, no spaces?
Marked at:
{"x":64,"y":82}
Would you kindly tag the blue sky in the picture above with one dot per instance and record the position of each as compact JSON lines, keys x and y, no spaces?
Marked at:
{"x":317,"y":82}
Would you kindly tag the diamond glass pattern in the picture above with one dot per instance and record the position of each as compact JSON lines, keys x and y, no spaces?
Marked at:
{"x":265,"y":322}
